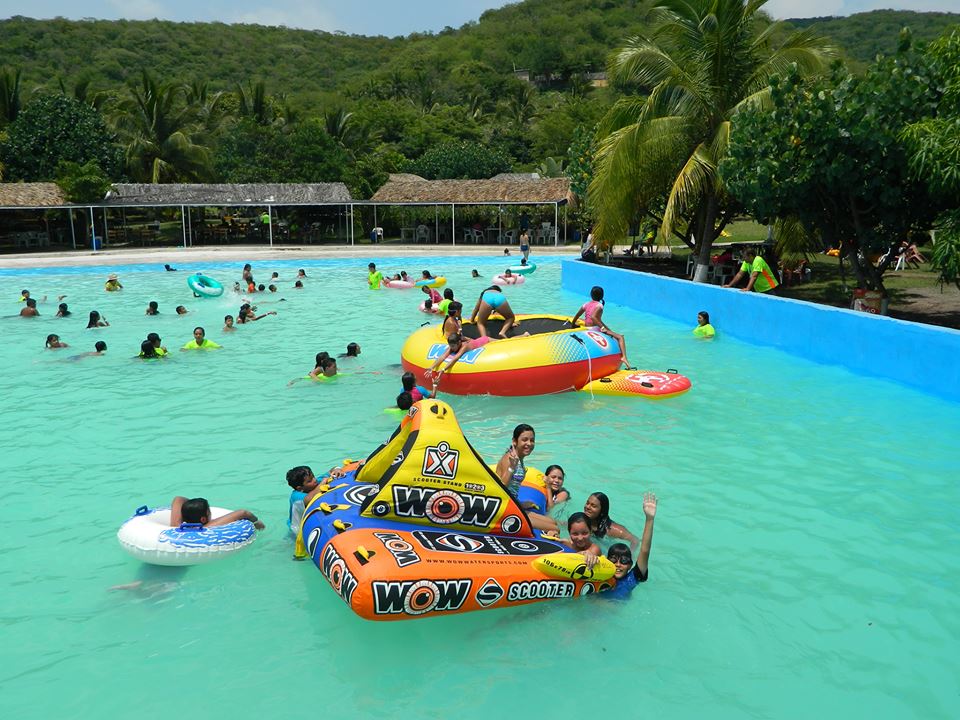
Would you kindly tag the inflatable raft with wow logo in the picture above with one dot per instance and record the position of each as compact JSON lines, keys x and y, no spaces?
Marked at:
{"x":424,"y":528}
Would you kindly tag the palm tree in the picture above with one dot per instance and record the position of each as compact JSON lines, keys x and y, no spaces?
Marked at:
{"x":254,"y":103}
{"x":520,"y":105}
{"x":161,"y":132}
{"x":83,"y":93}
{"x":207,"y":108}
{"x":704,"y":61}
{"x":9,"y":96}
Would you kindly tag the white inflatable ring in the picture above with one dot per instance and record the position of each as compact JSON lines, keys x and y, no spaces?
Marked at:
{"x":149,"y":537}
{"x":398,"y":284}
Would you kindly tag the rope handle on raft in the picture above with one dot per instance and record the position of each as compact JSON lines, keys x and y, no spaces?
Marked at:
{"x":190,"y":527}
{"x":142,"y":510}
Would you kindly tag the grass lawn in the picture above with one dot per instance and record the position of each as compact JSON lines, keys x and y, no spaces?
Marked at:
{"x":826,"y":285}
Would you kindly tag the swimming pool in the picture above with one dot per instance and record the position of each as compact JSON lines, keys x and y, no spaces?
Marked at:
{"x":802,"y":565}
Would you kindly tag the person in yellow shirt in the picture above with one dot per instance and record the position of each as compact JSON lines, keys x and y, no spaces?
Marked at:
{"x":200,"y":341}
{"x":704,"y":329}
{"x":374,"y":277}
{"x":762,"y":278}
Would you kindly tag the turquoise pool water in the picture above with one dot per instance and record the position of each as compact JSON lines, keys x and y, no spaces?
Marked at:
{"x":803,"y":564}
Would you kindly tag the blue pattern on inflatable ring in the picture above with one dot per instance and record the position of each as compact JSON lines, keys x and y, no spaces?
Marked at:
{"x":191,"y":536}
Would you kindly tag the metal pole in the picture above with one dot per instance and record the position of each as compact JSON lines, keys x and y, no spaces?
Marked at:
{"x":270,"y":224}
{"x":93,"y":231}
{"x":500,"y":225}
{"x":190,"y":225}
{"x":73,"y":234}
{"x":183,"y":225}
{"x":453,"y":222}
{"x":436,"y":222}
{"x":351,"y":226}
{"x":106,"y":230}
{"x":556,"y":224}
{"x":565,"y":223}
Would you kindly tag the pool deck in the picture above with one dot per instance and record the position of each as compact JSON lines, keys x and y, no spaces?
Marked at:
{"x":256,"y":253}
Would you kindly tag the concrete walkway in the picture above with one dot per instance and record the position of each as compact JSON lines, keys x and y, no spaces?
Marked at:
{"x":257,"y":253}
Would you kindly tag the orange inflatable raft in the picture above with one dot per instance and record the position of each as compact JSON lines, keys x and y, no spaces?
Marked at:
{"x":649,"y":383}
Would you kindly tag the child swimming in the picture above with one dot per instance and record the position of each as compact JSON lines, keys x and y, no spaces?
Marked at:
{"x":197,"y":510}
{"x":302,"y":481}
{"x":578,"y":528}
{"x":628,"y":575}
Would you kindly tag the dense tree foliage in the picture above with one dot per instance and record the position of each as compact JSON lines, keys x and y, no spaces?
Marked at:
{"x":460,"y":161}
{"x":829,"y":154}
{"x":934,"y":147}
{"x":265,"y":153}
{"x":82,"y":183}
{"x":225,"y":101}
{"x":52,"y":129}
{"x":704,"y":62}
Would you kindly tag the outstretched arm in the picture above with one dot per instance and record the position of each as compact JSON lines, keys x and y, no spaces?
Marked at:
{"x":456,"y":356}
{"x":753,"y":279}
{"x":650,"y":510}
{"x":573,"y":320}
{"x":433,"y":368}
{"x":735,"y":279}
{"x":621,"y":533}
{"x":234,"y":516}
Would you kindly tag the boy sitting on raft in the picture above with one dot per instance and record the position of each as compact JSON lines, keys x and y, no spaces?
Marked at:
{"x":197,"y":510}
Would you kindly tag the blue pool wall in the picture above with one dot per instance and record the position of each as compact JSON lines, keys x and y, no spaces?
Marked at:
{"x":921,"y":356}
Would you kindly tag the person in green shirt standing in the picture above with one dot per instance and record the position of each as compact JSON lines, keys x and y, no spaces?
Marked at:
{"x":374,"y":277}
{"x":200,"y":341}
{"x":762,"y":278}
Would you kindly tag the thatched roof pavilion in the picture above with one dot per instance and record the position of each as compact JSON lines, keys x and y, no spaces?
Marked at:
{"x":121,"y":196}
{"x":31,"y":196}
{"x":500,"y":190}
{"x":507,"y":189}
{"x":228,"y":195}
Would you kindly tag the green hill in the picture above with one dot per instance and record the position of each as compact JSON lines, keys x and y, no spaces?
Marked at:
{"x":356,"y":108}
{"x":561,"y":37}
{"x":865,"y":35}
